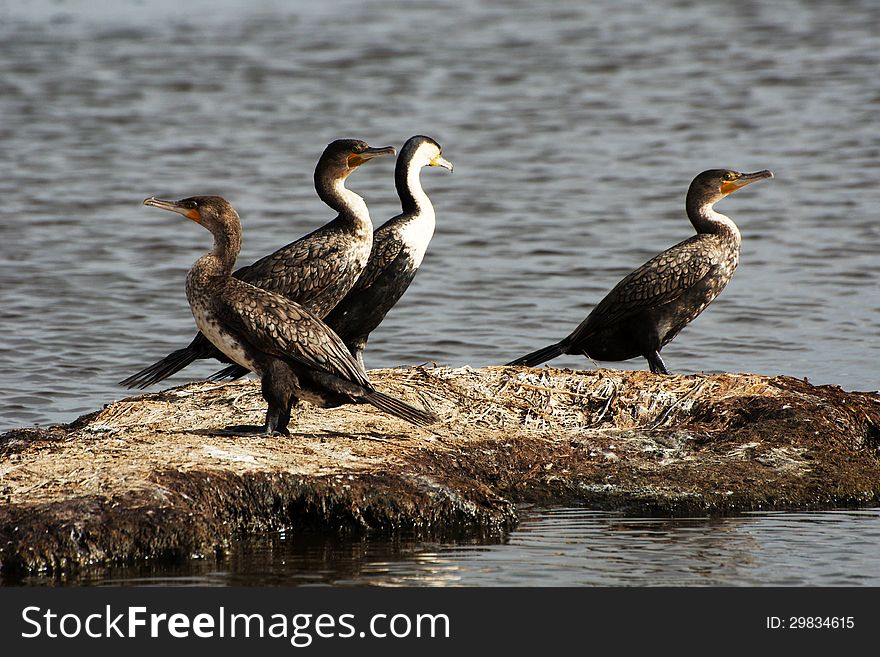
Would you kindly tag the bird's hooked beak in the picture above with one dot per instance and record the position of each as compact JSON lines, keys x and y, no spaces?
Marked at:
{"x":744,"y":179}
{"x":440,"y":161}
{"x":174,"y":206}
{"x":357,"y":159}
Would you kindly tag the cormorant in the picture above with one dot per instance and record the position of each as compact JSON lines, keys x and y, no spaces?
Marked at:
{"x":295,"y":354}
{"x":651,"y":305}
{"x":316,"y":270}
{"x":398,"y":248}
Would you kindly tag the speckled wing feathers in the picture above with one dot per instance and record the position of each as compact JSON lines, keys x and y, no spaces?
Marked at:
{"x":386,"y":249}
{"x":302,"y":270}
{"x":277,"y":326}
{"x":387,"y":276}
{"x":662,"y":279}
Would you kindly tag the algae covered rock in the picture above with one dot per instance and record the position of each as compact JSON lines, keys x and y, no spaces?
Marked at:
{"x":157,"y":476}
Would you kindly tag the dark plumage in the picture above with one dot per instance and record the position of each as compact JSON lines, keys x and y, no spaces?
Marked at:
{"x":295,"y":354}
{"x":316,"y":270}
{"x":398,"y":248}
{"x":648,"y":308}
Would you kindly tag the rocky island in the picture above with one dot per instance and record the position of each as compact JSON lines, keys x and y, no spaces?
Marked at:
{"x":157,"y":476}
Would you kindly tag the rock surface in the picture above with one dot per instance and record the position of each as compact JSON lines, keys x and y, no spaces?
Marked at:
{"x":156,"y":476}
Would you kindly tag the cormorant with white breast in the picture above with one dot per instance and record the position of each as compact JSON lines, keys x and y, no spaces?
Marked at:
{"x":648,"y":308}
{"x":398,"y":248}
{"x":294,"y":353}
{"x":316,"y":271}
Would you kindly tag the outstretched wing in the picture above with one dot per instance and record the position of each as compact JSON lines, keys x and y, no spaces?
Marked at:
{"x":280,"y":327}
{"x":662,"y":279}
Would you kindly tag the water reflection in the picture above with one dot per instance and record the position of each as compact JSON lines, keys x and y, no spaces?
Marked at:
{"x":555,"y":547}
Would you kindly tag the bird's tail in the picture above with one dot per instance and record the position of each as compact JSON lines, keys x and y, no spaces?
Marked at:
{"x":540,"y":356}
{"x":230,"y":373}
{"x":161,"y":370}
{"x":399,"y":408}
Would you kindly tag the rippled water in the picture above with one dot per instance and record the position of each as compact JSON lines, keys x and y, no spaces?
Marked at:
{"x":556,"y":547}
{"x":575,"y":128}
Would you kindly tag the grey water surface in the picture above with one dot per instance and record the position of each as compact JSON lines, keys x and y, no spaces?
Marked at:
{"x":575,"y":129}
{"x":550,"y":547}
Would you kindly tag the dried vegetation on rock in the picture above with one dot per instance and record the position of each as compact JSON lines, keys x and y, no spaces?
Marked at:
{"x":156,"y":475}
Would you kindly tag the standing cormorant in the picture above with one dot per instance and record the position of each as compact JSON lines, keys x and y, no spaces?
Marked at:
{"x":295,"y":354}
{"x":316,"y":270}
{"x":651,"y":305}
{"x":398,"y":248}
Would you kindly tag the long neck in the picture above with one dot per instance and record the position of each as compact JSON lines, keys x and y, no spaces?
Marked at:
{"x":227,"y":244}
{"x":215,"y":267}
{"x":351,"y":207}
{"x":413,"y":199}
{"x":706,"y":219}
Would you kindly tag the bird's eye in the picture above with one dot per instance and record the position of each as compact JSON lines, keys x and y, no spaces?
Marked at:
{"x":358,"y":148}
{"x":730,"y":175}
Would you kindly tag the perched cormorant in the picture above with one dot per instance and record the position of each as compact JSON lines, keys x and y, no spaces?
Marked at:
{"x":398,"y":248}
{"x":651,"y":305}
{"x":295,"y":354}
{"x":316,"y":270}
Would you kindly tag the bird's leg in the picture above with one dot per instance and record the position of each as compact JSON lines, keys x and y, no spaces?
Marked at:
{"x":356,"y":346}
{"x":272,"y":417}
{"x":278,"y":383}
{"x":276,"y":421}
{"x":283,"y":417}
{"x":656,"y":363}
